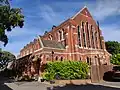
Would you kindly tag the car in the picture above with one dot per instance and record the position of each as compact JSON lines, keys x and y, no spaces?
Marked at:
{"x":116,"y":73}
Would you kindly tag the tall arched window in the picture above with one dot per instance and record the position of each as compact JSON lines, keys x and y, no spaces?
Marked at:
{"x":88,"y":43}
{"x":79,"y":38}
{"x":92,"y":32}
{"x":88,"y":60}
{"x":64,"y":37}
{"x":50,"y":37}
{"x":84,"y":35}
{"x":96,"y":40}
{"x":60,"y":35}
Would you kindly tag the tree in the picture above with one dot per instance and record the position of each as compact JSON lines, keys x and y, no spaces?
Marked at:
{"x":115,"y":59}
{"x":9,"y":19}
{"x":5,"y":58}
{"x":113,"y":47}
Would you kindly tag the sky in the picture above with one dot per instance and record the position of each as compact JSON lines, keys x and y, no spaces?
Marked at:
{"x":41,"y":15}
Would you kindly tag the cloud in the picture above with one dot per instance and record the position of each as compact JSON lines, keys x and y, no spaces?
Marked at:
{"x":23,"y":32}
{"x":41,"y":15}
{"x":19,"y":37}
{"x":111,"y":32}
{"x":47,"y":13}
{"x":14,"y":47}
{"x":102,"y":9}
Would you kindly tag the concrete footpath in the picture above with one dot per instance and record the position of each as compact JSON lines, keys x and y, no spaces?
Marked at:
{"x":44,"y":86}
{"x":27,"y":86}
{"x":108,"y":84}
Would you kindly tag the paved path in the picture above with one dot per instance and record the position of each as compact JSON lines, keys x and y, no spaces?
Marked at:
{"x":7,"y":85}
{"x":110,"y":84}
{"x":27,"y":86}
{"x":41,"y":86}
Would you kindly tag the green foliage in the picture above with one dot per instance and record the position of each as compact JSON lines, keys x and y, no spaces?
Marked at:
{"x":115,"y":59}
{"x":66,"y":70}
{"x":5,"y":58}
{"x":113,"y":47}
{"x":9,"y":19}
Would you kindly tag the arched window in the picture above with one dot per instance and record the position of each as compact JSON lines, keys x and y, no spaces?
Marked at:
{"x":50,"y":37}
{"x":61,"y":59}
{"x":88,"y":60}
{"x":93,"y":46}
{"x":79,"y":37}
{"x":84,"y":35}
{"x":56,"y":58}
{"x":80,"y":58}
{"x":60,"y":35}
{"x":96,"y":39}
{"x":64,"y":37}
{"x":88,"y":36}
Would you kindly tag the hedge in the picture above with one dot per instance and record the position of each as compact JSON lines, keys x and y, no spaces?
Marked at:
{"x":115,"y":59}
{"x":66,"y":70}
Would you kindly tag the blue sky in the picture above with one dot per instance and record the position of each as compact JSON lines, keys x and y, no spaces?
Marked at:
{"x":40,"y":15}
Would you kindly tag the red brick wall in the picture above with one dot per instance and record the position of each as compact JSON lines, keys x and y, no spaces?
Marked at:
{"x":73,"y":51}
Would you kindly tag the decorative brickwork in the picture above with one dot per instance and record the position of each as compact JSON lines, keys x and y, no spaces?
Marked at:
{"x":78,"y":38}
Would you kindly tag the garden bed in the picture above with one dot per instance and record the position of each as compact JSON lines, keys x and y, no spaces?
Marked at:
{"x":64,"y":82}
{"x":75,"y":82}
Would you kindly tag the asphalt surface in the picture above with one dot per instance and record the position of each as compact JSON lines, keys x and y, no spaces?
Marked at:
{"x":6,"y":84}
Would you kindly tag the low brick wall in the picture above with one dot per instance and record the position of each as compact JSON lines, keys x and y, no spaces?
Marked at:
{"x":75,"y":82}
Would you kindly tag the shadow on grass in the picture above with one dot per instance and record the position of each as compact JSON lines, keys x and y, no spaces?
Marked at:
{"x":82,"y":87}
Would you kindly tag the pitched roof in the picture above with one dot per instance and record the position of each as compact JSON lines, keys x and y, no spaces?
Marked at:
{"x":83,"y":11}
{"x":51,"y":44}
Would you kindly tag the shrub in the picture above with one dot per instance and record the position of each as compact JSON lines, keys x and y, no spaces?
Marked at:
{"x":66,"y":70}
{"x":115,"y":59}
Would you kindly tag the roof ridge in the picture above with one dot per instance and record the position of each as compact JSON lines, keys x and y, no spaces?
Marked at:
{"x":79,"y":12}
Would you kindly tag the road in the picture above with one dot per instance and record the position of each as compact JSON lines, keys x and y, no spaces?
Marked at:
{"x":111,"y":84}
{"x":7,"y":85}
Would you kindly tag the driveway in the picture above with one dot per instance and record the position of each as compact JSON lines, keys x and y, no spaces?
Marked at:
{"x":110,"y":83}
{"x":42,"y":86}
{"x":8,"y":85}
{"x":27,"y":86}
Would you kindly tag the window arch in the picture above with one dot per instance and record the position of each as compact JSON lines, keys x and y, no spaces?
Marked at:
{"x":56,"y":58}
{"x":89,"y":60}
{"x":50,"y":37}
{"x":79,"y":37}
{"x":61,"y":58}
{"x":88,"y":35}
{"x":84,"y":35}
{"x":60,"y":35}
{"x":92,"y":34}
{"x":80,"y":58}
{"x":64,"y":37}
{"x":96,"y":39}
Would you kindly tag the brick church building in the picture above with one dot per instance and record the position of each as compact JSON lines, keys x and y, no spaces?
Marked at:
{"x":78,"y":38}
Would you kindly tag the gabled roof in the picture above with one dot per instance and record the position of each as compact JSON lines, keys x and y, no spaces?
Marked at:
{"x":83,"y":11}
{"x":51,"y":44}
